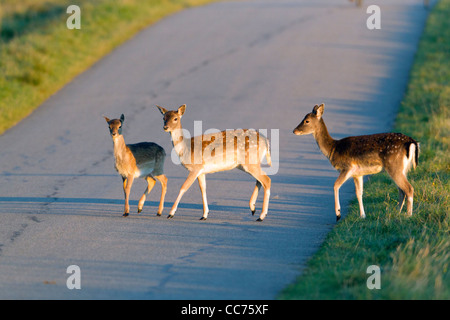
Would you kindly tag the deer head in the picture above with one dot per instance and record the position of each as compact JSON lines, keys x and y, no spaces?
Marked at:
{"x":115,"y":125}
{"x":172,"y":118}
{"x":310,"y":122}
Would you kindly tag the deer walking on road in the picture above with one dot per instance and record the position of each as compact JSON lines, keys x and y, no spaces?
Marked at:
{"x":140,"y":160}
{"x":242,"y":149}
{"x":363,"y":155}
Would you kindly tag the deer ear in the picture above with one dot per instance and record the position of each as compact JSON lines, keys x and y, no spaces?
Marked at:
{"x":162,"y":110}
{"x":318,"y":110}
{"x":107,"y":119}
{"x":181,"y":109}
{"x":122,"y":118}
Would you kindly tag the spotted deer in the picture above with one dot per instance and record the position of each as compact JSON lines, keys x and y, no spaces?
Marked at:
{"x":141,"y":160}
{"x":363,"y":155}
{"x":221,"y":151}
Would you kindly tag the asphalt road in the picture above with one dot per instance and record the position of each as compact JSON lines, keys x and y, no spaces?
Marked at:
{"x":240,"y":64}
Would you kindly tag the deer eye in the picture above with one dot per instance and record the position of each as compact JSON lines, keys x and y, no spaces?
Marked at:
{"x":307,"y":121}
{"x":175,"y":119}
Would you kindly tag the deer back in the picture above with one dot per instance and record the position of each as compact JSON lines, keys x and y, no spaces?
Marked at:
{"x":227,"y":149}
{"x":371,"y":151}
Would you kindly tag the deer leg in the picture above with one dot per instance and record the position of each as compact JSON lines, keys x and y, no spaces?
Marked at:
{"x":124,"y":180}
{"x":150,"y":184}
{"x":254,"y":197}
{"x":163,"y":180}
{"x":405,"y":187}
{"x":343,"y":176}
{"x":401,"y":199}
{"x":185,"y":187}
{"x":359,"y":192}
{"x":264,"y":180}
{"x":127,"y":183}
{"x":202,"y":184}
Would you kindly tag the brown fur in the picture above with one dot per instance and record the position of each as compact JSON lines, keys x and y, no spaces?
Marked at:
{"x":362,"y":155}
{"x":141,"y":160}
{"x":209,"y":163}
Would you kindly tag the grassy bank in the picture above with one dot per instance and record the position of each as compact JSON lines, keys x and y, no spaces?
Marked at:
{"x":39,"y":54}
{"x":413,"y":253}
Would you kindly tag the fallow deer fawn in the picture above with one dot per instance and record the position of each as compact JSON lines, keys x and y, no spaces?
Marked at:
{"x":226,"y":150}
{"x":362,"y":155}
{"x":140,"y":160}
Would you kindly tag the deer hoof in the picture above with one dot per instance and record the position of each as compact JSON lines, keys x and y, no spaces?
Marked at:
{"x":169,"y":216}
{"x":139,"y":210}
{"x":158,"y":214}
{"x":337,"y":218}
{"x":259,"y":219}
{"x":253,"y":212}
{"x":125,"y":214}
{"x":202,"y":218}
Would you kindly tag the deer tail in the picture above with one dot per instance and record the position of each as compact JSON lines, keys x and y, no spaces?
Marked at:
{"x":412,"y":153}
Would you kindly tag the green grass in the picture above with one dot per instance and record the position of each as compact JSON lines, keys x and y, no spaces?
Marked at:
{"x":413,"y":253}
{"x":39,"y":55}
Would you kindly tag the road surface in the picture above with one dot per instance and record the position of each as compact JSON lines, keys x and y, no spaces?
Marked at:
{"x":239,"y":64}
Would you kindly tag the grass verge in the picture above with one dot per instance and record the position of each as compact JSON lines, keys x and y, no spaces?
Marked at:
{"x":39,"y":54}
{"x":412,"y":253}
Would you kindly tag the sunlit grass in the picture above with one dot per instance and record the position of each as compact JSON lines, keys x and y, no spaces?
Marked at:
{"x":412,"y":252}
{"x":39,"y":55}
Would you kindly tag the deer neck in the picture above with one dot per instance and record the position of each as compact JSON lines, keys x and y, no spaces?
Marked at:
{"x":119,"y":148}
{"x":179,"y":143}
{"x":325,"y":142}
